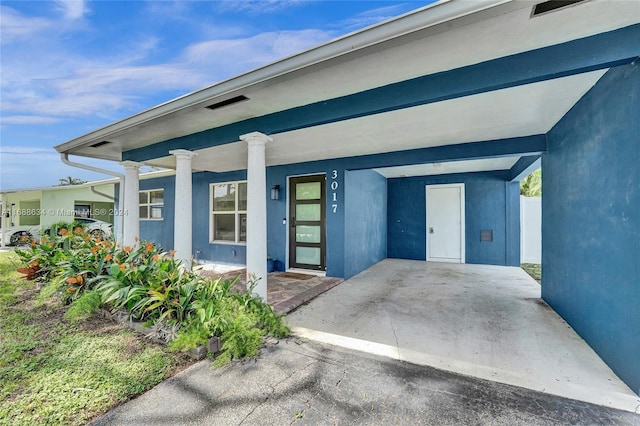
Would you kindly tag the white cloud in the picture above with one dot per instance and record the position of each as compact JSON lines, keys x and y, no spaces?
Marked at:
{"x":15,"y":26}
{"x":72,"y":9}
{"x":21,"y":150}
{"x":95,"y":91}
{"x":106,"y":88}
{"x":255,"y":7}
{"x":372,"y":17}
{"x":242,"y":54}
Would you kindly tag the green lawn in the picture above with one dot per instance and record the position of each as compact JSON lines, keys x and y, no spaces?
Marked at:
{"x":53,"y":371}
{"x":533,"y":269}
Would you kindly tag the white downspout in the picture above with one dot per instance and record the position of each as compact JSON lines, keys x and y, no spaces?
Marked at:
{"x":102,"y":194}
{"x":65,"y":159}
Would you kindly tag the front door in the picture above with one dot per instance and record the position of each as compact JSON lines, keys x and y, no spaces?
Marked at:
{"x":307,"y":237}
{"x":445,"y":223}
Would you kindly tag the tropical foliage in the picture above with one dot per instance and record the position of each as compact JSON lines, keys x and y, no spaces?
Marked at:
{"x":531,"y":186}
{"x":186,"y":308}
{"x":70,"y":181}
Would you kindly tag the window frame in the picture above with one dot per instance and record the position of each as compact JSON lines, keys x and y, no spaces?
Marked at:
{"x":149,"y":204}
{"x":236,"y":213}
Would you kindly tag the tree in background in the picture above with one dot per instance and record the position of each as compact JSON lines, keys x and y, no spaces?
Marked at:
{"x":531,"y":186}
{"x":70,"y":181}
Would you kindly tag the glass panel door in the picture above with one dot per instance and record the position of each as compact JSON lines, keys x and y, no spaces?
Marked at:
{"x":307,"y":221}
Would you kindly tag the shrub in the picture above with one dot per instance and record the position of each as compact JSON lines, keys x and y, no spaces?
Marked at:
{"x":68,"y":259}
{"x":189,"y":338}
{"x":184,"y":307}
{"x":240,"y":337}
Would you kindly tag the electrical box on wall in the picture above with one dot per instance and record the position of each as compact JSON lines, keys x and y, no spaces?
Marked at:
{"x":486,"y":235}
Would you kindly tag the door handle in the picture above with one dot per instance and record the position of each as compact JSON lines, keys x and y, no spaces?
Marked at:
{"x":293,"y":222}
{"x":431,"y":230}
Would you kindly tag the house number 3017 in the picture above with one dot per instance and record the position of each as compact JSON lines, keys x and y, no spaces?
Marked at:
{"x":334,"y":187}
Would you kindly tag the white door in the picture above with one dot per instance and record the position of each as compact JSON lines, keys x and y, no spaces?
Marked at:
{"x":445,"y":223}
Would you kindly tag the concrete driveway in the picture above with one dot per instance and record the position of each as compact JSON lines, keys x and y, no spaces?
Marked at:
{"x":482,"y":321}
{"x":307,"y":383}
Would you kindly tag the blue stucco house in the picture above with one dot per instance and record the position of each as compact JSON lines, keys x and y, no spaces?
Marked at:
{"x":408,"y":140}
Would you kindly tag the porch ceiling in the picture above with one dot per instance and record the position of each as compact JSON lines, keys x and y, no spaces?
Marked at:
{"x":514,"y":112}
{"x":464,"y":166}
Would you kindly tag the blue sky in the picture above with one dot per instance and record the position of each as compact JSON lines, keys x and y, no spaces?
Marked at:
{"x":69,"y":67}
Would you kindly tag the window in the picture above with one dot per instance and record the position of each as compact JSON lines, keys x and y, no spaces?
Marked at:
{"x":82,"y":210}
{"x":229,"y":212}
{"x":151,"y":204}
{"x":29,"y":214}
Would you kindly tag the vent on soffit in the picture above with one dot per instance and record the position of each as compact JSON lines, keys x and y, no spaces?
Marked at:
{"x":228,"y":102}
{"x":552,"y":5}
{"x":97,"y":144}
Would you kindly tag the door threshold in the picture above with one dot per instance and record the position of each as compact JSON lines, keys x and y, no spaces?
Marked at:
{"x":307,"y":271}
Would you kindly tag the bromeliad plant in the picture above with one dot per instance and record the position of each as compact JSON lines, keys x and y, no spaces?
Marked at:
{"x":67,"y":259}
{"x":152,"y":286}
{"x":143,"y":281}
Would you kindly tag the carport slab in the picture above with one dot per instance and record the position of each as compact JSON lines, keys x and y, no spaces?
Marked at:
{"x":480,"y":320}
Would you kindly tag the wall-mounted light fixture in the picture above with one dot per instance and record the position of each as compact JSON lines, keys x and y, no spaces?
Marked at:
{"x":275,"y":192}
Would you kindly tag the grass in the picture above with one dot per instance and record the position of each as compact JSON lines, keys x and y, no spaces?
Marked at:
{"x":533,"y":269}
{"x":54,"y":371}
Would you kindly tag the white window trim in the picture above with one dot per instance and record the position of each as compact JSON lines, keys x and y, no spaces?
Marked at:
{"x":235,"y":212}
{"x":150,"y":204}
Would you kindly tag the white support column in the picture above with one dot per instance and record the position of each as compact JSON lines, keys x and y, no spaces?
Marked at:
{"x":119,"y":220}
{"x":257,"y":210}
{"x":182,"y":221}
{"x":131,"y":204}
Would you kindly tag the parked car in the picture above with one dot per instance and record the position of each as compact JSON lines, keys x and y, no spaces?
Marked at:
{"x":97,"y":228}
{"x":18,"y":235}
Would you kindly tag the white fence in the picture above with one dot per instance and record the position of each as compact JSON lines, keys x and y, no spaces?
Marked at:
{"x":530,"y":229}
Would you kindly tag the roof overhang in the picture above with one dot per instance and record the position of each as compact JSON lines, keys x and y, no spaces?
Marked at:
{"x":451,"y":73}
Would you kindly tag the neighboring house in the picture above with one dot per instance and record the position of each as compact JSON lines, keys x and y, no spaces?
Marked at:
{"x":407,"y":140}
{"x":33,"y":209}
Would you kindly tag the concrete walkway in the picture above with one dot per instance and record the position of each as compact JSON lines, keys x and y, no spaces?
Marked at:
{"x":297,"y":382}
{"x":483,"y":321}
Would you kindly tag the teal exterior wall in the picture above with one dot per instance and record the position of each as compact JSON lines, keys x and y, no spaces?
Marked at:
{"x":277,"y":215}
{"x":372,"y":218}
{"x":232,"y":254}
{"x":591,"y":220}
{"x":365,"y":231}
{"x":492,"y":202}
{"x":160,"y":231}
